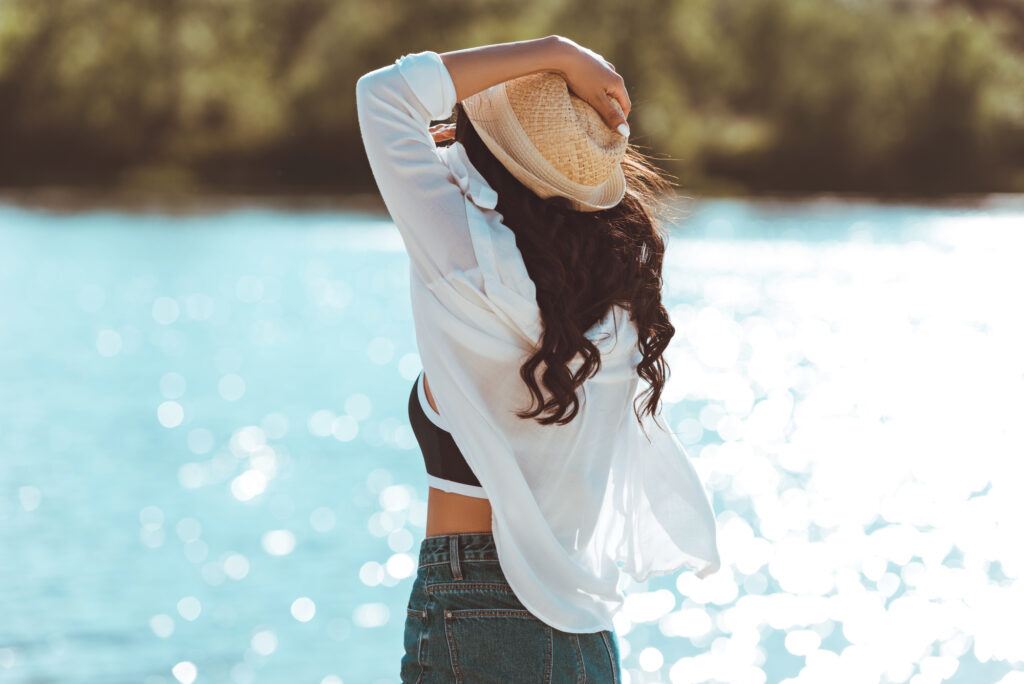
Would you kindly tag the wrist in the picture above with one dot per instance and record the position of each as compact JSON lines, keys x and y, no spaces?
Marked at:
{"x":560,"y":52}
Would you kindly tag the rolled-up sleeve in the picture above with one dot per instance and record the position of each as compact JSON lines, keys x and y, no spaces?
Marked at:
{"x":395,"y":105}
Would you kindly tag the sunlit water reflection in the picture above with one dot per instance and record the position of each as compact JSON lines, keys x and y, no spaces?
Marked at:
{"x":208,"y":474}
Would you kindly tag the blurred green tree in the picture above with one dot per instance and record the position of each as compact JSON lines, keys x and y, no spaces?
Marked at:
{"x":875,"y":96}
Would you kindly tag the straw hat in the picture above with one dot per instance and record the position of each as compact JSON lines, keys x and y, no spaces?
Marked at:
{"x":552,"y":141}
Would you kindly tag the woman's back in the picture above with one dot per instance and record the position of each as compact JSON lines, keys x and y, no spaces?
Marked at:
{"x":574,"y":504}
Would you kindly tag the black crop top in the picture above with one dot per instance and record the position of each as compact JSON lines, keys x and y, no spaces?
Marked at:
{"x":446,"y":467}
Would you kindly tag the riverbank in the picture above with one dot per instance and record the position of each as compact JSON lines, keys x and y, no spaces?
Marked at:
{"x":59,"y":199}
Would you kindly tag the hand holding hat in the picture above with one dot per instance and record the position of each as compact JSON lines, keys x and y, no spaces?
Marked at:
{"x":560,"y":131}
{"x":594,"y":79}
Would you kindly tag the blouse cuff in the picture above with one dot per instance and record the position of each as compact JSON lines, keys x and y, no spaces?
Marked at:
{"x":430,"y":81}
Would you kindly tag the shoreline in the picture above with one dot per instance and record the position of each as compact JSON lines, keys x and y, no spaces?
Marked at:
{"x":76,"y":200}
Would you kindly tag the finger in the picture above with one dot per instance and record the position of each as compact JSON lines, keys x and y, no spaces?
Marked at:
{"x":620,"y":93}
{"x":611,"y":115}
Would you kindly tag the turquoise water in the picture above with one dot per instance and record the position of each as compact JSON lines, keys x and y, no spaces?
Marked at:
{"x":208,"y":475}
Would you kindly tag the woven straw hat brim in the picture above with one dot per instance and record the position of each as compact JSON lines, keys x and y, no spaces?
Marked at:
{"x":494,"y":120}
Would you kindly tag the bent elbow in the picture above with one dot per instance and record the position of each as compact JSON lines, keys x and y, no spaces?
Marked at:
{"x":368,"y":99}
{"x":364,"y":88}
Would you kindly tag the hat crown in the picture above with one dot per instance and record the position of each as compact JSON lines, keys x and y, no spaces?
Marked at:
{"x":553,"y":142}
{"x":566,"y":130}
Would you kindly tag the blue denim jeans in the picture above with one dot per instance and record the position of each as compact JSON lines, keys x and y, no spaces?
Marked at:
{"x":464,"y":624}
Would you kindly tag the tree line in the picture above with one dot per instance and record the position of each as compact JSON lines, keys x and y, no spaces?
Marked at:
{"x":868,"y":96}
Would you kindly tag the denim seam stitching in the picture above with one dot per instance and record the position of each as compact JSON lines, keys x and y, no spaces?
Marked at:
{"x":468,"y":585}
{"x":491,"y":612}
{"x":549,"y":656}
{"x":579,"y":656}
{"x":452,"y":648}
{"x":420,"y":615}
{"x":611,"y":658}
{"x":424,"y":647}
{"x":464,"y":560}
{"x":419,"y":655}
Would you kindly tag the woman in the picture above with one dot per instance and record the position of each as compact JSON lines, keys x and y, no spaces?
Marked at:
{"x":535,"y":274}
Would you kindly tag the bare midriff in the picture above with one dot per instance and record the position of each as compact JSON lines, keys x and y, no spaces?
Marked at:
{"x":449,"y":513}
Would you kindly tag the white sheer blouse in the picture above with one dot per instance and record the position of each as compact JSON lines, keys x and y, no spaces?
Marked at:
{"x":573,"y":506}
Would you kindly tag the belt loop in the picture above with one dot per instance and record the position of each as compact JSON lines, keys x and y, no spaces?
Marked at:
{"x":453,"y":552}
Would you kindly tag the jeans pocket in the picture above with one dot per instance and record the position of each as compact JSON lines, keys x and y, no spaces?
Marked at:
{"x":498,"y":645}
{"x":415,"y":643}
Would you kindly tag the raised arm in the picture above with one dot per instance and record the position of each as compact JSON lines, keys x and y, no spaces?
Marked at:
{"x":588,"y":75}
{"x":396,"y":103}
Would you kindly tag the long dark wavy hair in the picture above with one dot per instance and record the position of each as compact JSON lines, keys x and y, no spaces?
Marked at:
{"x":582,"y":264}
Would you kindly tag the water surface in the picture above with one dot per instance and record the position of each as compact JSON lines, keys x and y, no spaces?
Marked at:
{"x":207,"y":473}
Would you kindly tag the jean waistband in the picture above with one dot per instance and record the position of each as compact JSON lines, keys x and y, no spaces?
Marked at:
{"x":458,"y":546}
